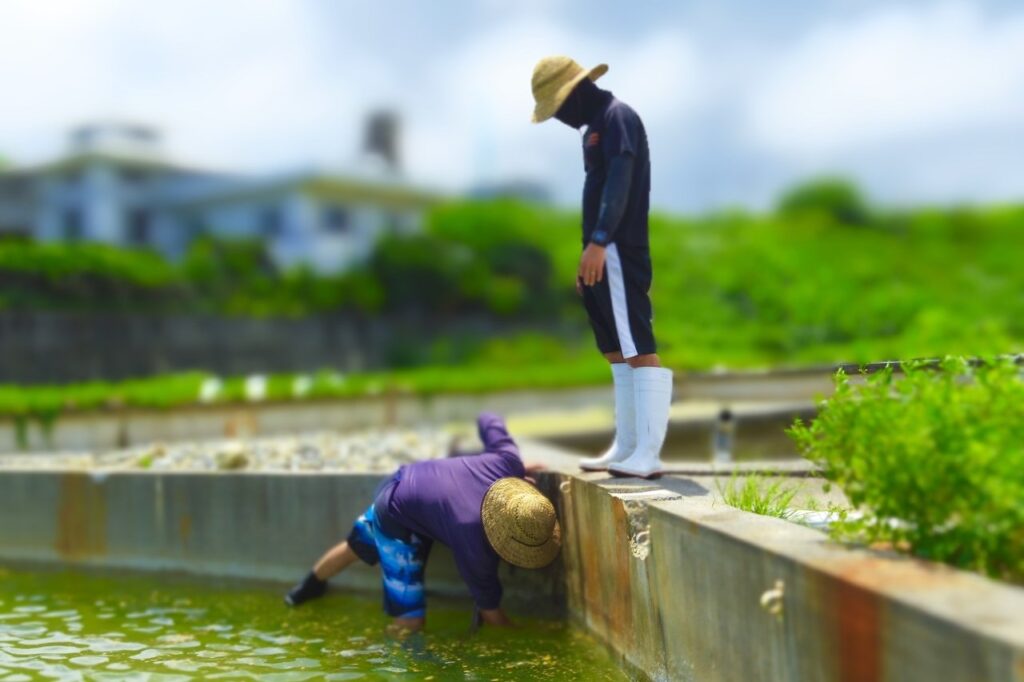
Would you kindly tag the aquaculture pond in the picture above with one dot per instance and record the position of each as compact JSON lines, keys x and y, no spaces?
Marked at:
{"x":73,"y":626}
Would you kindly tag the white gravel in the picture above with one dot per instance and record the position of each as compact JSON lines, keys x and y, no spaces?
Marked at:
{"x":364,"y":451}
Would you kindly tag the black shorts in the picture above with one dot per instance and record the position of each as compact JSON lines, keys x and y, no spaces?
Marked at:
{"x":619,"y":306}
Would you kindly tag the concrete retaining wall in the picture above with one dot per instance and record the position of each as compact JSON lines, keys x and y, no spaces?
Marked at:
{"x":58,"y":347}
{"x":673,"y":582}
{"x":265,"y":526}
{"x":107,"y":431}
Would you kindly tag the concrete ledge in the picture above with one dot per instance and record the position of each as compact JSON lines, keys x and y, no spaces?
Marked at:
{"x":673,"y":582}
{"x":104,"y":430}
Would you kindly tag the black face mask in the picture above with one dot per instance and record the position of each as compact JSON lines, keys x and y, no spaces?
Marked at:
{"x":570,"y":113}
{"x":579,"y":106}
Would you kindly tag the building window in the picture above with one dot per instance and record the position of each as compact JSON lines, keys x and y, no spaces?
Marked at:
{"x":271,"y":224}
{"x":336,"y":219}
{"x":139,"y":225}
{"x":72,"y":228}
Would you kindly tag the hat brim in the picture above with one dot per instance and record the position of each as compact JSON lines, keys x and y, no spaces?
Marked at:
{"x":550,"y":106}
{"x":508,"y":548}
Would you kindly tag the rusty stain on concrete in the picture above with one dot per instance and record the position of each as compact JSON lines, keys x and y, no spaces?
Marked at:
{"x":620,"y":603}
{"x":893,"y":570}
{"x":591,"y":566}
{"x":858,"y":633}
{"x":81,"y":517}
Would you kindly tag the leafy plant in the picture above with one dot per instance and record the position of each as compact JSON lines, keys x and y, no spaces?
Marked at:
{"x":760,"y":494}
{"x":934,"y":460}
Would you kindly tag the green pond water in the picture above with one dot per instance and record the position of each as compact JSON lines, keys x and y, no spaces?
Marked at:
{"x":83,"y":626}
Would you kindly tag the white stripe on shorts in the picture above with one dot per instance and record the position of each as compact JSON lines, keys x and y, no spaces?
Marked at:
{"x":617,"y":287}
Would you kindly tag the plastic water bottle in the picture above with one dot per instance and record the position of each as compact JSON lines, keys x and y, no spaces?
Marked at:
{"x":723,"y":436}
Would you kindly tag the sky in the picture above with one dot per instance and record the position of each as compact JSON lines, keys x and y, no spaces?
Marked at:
{"x":917,"y":102}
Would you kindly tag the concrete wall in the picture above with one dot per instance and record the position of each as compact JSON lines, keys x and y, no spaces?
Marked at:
{"x":55,"y":347}
{"x":100,"y":431}
{"x":682,"y":587}
{"x":673,"y":582}
{"x":264,"y":526}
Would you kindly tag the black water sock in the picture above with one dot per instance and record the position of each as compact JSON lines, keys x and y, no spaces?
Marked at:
{"x":310,"y":587}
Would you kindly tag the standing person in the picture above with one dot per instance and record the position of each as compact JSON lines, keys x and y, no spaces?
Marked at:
{"x":614,"y":275}
{"x":479,"y":505}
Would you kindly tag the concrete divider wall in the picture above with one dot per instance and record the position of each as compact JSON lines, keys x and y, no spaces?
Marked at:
{"x":249,"y":525}
{"x":673,"y":582}
{"x":667,"y":577}
{"x":121,"y":428}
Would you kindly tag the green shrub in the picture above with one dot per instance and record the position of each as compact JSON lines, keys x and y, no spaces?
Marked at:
{"x":833,"y":198}
{"x":934,"y":460}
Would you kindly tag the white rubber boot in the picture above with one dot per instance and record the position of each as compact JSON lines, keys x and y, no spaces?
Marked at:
{"x":625,"y":421}
{"x":653,"y":389}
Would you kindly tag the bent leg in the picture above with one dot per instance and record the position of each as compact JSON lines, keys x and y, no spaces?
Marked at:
{"x":403,"y":564}
{"x":359,"y":545}
{"x":403,"y":626}
{"x":334,"y":561}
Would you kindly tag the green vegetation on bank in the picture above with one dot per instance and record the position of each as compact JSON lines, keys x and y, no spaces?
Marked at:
{"x":760,"y":494}
{"x":934,"y":461}
{"x":45,"y":403}
{"x":824,"y":278}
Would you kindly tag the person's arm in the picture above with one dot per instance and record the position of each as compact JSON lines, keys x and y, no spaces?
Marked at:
{"x":494,"y":434}
{"x":478,"y":565}
{"x":614,"y":198}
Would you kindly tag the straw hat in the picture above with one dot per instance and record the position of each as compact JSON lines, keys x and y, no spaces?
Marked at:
{"x":553,"y":80}
{"x":521,"y":524}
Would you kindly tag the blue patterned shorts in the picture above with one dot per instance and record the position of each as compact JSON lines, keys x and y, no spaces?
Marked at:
{"x":402,"y":561}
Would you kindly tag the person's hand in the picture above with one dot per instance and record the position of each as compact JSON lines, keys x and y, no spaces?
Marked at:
{"x":531,"y":470}
{"x":592,"y":264}
{"x":495,"y":617}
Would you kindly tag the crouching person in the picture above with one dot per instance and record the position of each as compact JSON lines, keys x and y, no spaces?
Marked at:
{"x":480,"y":505}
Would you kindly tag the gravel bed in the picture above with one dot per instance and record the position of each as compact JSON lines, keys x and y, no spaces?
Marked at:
{"x":362,"y":451}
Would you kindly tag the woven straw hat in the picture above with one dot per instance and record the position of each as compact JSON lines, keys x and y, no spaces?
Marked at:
{"x":553,"y":80}
{"x":521,"y":524}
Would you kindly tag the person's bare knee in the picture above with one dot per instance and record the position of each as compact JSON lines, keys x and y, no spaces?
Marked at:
{"x":647,"y":360}
{"x":404,"y":626}
{"x":615,"y":358}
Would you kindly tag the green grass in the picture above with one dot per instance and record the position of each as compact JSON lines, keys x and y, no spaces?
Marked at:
{"x":45,"y":403}
{"x":760,"y":494}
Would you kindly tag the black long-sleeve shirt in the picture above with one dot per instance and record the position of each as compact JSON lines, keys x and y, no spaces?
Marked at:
{"x":616,"y":192}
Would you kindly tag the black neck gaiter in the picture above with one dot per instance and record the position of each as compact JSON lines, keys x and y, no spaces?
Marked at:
{"x":583,"y":102}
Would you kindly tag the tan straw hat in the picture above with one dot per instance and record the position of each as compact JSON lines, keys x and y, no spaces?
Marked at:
{"x":553,"y":80}
{"x":521,"y":524}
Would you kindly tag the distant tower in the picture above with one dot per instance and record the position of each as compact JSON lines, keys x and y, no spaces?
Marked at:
{"x":381,"y":143}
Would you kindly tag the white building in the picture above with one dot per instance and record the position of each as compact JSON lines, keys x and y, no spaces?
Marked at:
{"x":116,"y":185}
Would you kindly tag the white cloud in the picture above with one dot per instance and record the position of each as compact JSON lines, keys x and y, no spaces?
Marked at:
{"x":231,"y":85}
{"x":895,"y":73}
{"x":478,"y":124}
{"x":915,"y":101}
